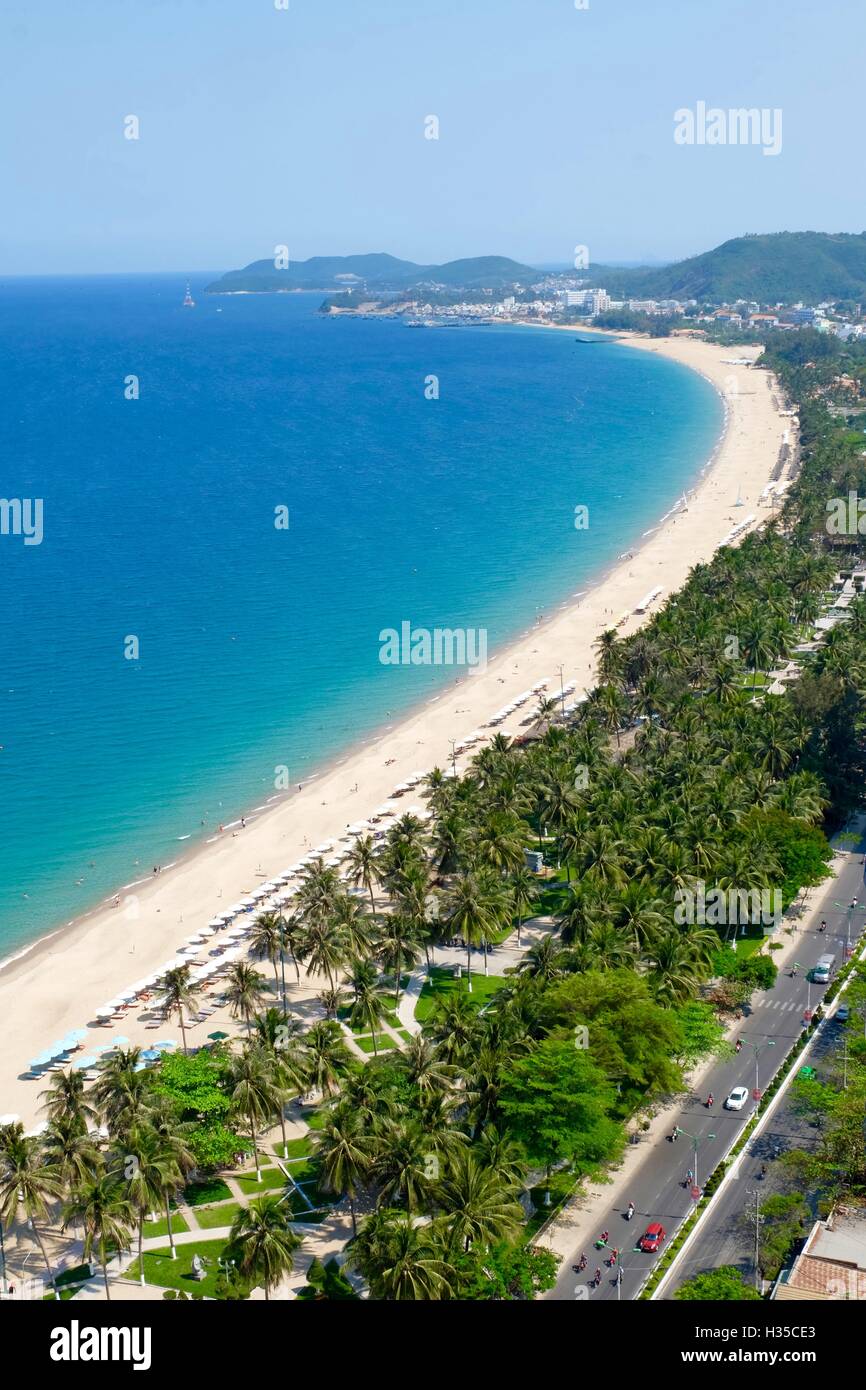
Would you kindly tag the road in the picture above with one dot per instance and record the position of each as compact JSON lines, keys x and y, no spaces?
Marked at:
{"x":724,"y":1236}
{"x":773,"y":1021}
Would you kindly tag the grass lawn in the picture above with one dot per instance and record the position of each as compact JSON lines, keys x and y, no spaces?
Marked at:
{"x":749,"y":945}
{"x":442,"y":983}
{"x":211,"y":1190}
{"x":162,"y":1270}
{"x":271,"y":1178}
{"x":224,"y":1215}
{"x":407,"y":1037}
{"x":303,"y":1171}
{"x":295,"y":1148}
{"x":383,"y":1043}
{"x":316,"y":1118}
{"x":152,"y":1229}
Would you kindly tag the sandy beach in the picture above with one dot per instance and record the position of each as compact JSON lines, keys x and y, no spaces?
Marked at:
{"x":57,"y":985}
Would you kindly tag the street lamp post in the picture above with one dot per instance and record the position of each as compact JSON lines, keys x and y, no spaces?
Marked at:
{"x":561,"y":691}
{"x":757,"y":1048}
{"x":453,"y":743}
{"x":695,"y":1142}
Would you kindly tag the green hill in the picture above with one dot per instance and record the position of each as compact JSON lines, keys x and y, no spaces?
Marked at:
{"x":781,"y":266}
{"x":376,"y":272}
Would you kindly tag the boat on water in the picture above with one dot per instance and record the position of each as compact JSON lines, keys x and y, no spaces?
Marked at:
{"x":188,"y":301}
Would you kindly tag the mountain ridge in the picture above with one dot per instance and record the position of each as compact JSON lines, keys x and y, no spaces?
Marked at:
{"x":771,"y":267}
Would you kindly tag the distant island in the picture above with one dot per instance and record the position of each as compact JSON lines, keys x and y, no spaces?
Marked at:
{"x":780,"y":267}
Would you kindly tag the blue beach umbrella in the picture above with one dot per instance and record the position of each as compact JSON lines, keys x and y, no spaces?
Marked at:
{"x":151,"y":1055}
{"x":43,"y":1059}
{"x":79,"y":1034}
{"x":119,"y":1041}
{"x":165,"y":1043}
{"x":84,"y":1062}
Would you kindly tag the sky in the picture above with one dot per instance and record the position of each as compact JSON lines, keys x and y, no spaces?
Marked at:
{"x":305,"y":126}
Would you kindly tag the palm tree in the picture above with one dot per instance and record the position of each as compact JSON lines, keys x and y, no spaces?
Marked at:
{"x":322,"y":947}
{"x":246,"y":990}
{"x":478,"y":1205}
{"x":254,"y":1092}
{"x":176,"y":1156}
{"x":401,"y":1261}
{"x":26,"y":1181}
{"x":368,"y":1006}
{"x":265,"y":1241}
{"x":524,"y":894}
{"x":326,"y":1057}
{"x":65,"y":1101}
{"x":542,"y":961}
{"x":106,"y":1214}
{"x":425,"y":1066}
{"x":361,"y":863}
{"x":178,"y":994}
{"x":266,"y":943}
{"x":472,"y":915}
{"x":398,"y":947}
{"x":150,"y":1176}
{"x":345,"y":1154}
{"x":123,"y":1092}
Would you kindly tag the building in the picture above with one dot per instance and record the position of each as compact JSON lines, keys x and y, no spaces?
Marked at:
{"x":832,"y":1263}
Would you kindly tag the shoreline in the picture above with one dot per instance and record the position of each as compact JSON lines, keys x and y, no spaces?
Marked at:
{"x":104,"y":949}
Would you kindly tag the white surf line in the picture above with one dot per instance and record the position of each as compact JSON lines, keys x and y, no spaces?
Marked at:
{"x":19,"y":955}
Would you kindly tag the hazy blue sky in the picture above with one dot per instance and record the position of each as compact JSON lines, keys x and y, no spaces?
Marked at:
{"x":260,"y":126}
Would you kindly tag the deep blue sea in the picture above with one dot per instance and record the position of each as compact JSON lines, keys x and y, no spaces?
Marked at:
{"x":259,"y":647}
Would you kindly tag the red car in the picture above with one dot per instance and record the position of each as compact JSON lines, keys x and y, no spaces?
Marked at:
{"x":652,"y":1238}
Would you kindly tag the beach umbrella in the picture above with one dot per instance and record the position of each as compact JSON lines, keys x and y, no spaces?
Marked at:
{"x":140,"y":1066}
{"x":217,"y":922}
{"x":31,"y":1133}
{"x":84,"y":1062}
{"x":206,"y":932}
{"x":10,"y":1119}
{"x":150,"y":1054}
{"x":119,"y":1041}
{"x":165,"y":1043}
{"x":217,"y":1037}
{"x":42,"y":1060}
{"x":103,"y":1047}
{"x":78,"y":1033}
{"x":57,"y":1048}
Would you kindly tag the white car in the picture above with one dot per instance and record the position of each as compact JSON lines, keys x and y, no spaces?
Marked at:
{"x":737,"y":1099}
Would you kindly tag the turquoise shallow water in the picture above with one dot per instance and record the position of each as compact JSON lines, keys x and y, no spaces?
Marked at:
{"x":259,"y":647}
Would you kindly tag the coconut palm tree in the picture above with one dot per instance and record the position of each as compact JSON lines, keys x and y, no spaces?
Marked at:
{"x":479,"y":1206}
{"x":401,"y":1261}
{"x":398,"y":948}
{"x":123,"y":1092}
{"x":368,"y":1007}
{"x":65,"y":1101}
{"x":524,"y":894}
{"x":255,"y":1092}
{"x":179,"y":995}
{"x":266,"y":941}
{"x":265,"y":1242}
{"x":345,"y":1152}
{"x":361,"y":864}
{"x":100,"y":1205}
{"x":246,"y":990}
{"x":150,"y":1177}
{"x":326,"y":1057}
{"x":28,"y":1185}
{"x":474,"y":914}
